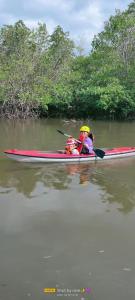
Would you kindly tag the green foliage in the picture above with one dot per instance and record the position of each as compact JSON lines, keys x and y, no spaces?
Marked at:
{"x":35,"y":66}
{"x":109,"y":87}
{"x":40,"y":74}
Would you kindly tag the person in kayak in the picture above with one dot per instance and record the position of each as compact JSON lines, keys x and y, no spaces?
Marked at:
{"x":86,"y":139}
{"x":71,"y":147}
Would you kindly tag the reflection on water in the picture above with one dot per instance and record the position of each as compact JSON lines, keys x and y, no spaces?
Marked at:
{"x":115,"y":178}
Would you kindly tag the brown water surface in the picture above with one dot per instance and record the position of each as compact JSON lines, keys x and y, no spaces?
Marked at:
{"x":68,"y":226}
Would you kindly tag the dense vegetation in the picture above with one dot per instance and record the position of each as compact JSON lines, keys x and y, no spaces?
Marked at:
{"x":44,"y":75}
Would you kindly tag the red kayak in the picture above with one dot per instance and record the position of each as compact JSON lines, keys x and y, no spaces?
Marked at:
{"x":60,"y":156}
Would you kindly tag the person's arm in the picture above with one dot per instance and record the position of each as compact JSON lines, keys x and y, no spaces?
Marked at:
{"x":88,"y":144}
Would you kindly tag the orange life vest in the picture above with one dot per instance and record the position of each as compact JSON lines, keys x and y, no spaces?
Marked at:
{"x":67,"y":150}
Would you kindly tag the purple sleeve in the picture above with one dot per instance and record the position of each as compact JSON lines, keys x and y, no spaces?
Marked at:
{"x":89,"y":144}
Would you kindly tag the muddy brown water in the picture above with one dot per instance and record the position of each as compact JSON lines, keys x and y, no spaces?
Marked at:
{"x":66,"y":226}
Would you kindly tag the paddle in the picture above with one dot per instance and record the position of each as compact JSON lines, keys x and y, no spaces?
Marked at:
{"x":98,"y":152}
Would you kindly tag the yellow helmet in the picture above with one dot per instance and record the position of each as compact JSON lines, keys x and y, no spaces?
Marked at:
{"x":85,"y":128}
